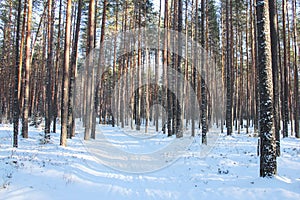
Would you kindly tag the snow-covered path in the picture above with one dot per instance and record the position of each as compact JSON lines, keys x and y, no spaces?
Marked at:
{"x":229,"y":171}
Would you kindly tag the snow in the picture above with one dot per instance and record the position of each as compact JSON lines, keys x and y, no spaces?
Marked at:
{"x":230,"y":170}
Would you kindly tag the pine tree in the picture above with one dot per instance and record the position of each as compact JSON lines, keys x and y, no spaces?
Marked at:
{"x":17,"y":80}
{"x":268,"y":165}
{"x":27,"y":73}
{"x":66,"y":77}
{"x":228,"y":74}
{"x":48,"y":114}
{"x":90,"y":71}
{"x":285,"y":100}
{"x":296,"y":79}
{"x":274,"y":47}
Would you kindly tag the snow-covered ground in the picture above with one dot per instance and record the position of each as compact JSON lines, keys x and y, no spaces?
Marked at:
{"x":229,"y":171}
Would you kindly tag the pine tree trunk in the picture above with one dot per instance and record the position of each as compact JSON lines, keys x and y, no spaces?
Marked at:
{"x":228,"y":75}
{"x":73,"y":72}
{"x":247,"y":75}
{"x":268,"y":165}
{"x":57,"y":69}
{"x":48,"y":114}
{"x":203,"y":78}
{"x":66,"y":77}
{"x":285,"y":105}
{"x":274,"y":47}
{"x":27,"y":73}
{"x":194,"y":70}
{"x":90,"y":71}
{"x":178,"y":105}
{"x":113,"y":107}
{"x":296,"y":79}
{"x":21,"y":54}
{"x":100,"y":65}
{"x":17,"y":80}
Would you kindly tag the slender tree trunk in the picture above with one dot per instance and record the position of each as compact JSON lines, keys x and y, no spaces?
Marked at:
{"x":17,"y":80}
{"x":194,"y":69}
{"x":66,"y":77}
{"x":185,"y":100}
{"x":296,"y":79}
{"x":57,"y":69}
{"x":73,"y":72}
{"x":268,"y":165}
{"x":228,"y":75}
{"x":114,"y":69}
{"x":100,"y":66}
{"x":274,"y":47}
{"x":247,"y":76}
{"x":178,"y":102}
{"x":90,"y":71}
{"x":27,"y":73}
{"x":289,"y":79}
{"x":203,"y":78}
{"x":139,"y":72}
{"x":48,"y":114}
{"x":157,"y":59}
{"x":285,"y":106}
{"x":21,"y":55}
{"x":224,"y":69}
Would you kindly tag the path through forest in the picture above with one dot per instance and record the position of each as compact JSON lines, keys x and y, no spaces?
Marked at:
{"x":230,"y":171}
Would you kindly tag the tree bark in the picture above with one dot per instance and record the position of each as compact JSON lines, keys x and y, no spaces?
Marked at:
{"x":27,"y":73}
{"x":178,"y":102}
{"x":285,"y":114}
{"x":49,"y":70}
{"x":90,"y":71}
{"x":57,"y":69}
{"x":66,"y":77}
{"x":203,"y":77}
{"x":73,"y":71}
{"x":296,"y":79}
{"x":274,"y":47}
{"x":100,"y":66}
{"x":17,"y":80}
{"x":228,"y":75}
{"x":268,"y":165}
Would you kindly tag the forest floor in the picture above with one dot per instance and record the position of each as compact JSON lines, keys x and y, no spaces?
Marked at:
{"x":230,"y":170}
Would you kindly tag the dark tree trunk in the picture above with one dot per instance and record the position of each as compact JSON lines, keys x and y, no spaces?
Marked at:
{"x":275,"y":75}
{"x":228,"y":75}
{"x":49,"y":70}
{"x":178,"y":107}
{"x":17,"y":80}
{"x":296,"y":79}
{"x":57,"y":69}
{"x":285,"y":101}
{"x":268,"y":165}
{"x":202,"y":79}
